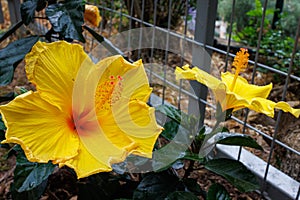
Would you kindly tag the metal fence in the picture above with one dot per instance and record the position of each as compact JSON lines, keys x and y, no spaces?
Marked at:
{"x":180,"y":41}
{"x":162,"y":16}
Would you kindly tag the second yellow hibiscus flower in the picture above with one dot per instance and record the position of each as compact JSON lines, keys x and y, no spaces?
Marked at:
{"x":233,"y":91}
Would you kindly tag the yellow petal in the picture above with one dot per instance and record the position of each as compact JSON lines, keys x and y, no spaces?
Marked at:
{"x":197,"y":74}
{"x":137,"y":120}
{"x":40,"y":128}
{"x":135,"y":84}
{"x":244,"y":89}
{"x":85,"y":164}
{"x":53,"y":68}
{"x":92,"y":14}
{"x":100,"y":146}
{"x":229,"y":100}
{"x":287,"y":108}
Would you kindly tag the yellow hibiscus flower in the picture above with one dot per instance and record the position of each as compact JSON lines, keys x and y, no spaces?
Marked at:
{"x":83,"y":115}
{"x":233,"y":91}
{"x":92,"y":14}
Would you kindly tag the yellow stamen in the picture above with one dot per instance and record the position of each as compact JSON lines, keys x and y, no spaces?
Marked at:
{"x":240,"y":63}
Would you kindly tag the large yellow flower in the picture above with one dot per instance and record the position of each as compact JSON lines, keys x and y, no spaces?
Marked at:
{"x":233,"y":91}
{"x":83,"y":115}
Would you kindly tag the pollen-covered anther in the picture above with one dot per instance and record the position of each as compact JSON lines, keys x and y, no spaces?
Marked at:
{"x":241,"y":60}
{"x":108,"y":92}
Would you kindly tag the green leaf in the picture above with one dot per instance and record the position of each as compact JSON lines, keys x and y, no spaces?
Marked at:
{"x":181,"y":195}
{"x":29,"y":177}
{"x":237,"y":139}
{"x":106,"y":185}
{"x":235,"y":172}
{"x":217,"y":192}
{"x":191,"y":185}
{"x":12,"y":55}
{"x":28,"y":9}
{"x":37,"y":175}
{"x":187,"y":121}
{"x":156,"y":186}
{"x":193,"y":156}
{"x":170,"y":130}
{"x":66,"y":19}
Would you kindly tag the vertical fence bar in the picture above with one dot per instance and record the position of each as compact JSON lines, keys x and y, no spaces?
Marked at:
{"x":121,"y":16}
{"x":152,"y":44}
{"x":130,"y":26}
{"x":14,"y":11}
{"x":141,"y":30}
{"x":1,"y":14}
{"x":229,"y":36}
{"x":182,"y":52}
{"x":112,"y":6}
{"x":298,"y":194}
{"x":204,"y":33}
{"x":167,"y":50}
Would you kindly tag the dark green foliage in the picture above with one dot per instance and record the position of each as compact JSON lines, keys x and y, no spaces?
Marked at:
{"x":157,"y":186}
{"x":66,"y":19}
{"x":28,"y":9}
{"x":181,"y":195}
{"x":217,"y":192}
{"x":30,"y":179}
{"x":100,"y":186}
{"x":235,"y":172}
{"x":12,"y":55}
{"x":237,"y":139}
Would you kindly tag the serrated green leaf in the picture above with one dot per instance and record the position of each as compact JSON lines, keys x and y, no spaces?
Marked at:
{"x":28,"y":9}
{"x":237,"y":139}
{"x":235,"y":172}
{"x":30,"y":177}
{"x":156,"y":186}
{"x":217,"y":192}
{"x":181,"y":195}
{"x":12,"y":55}
{"x":66,"y":19}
